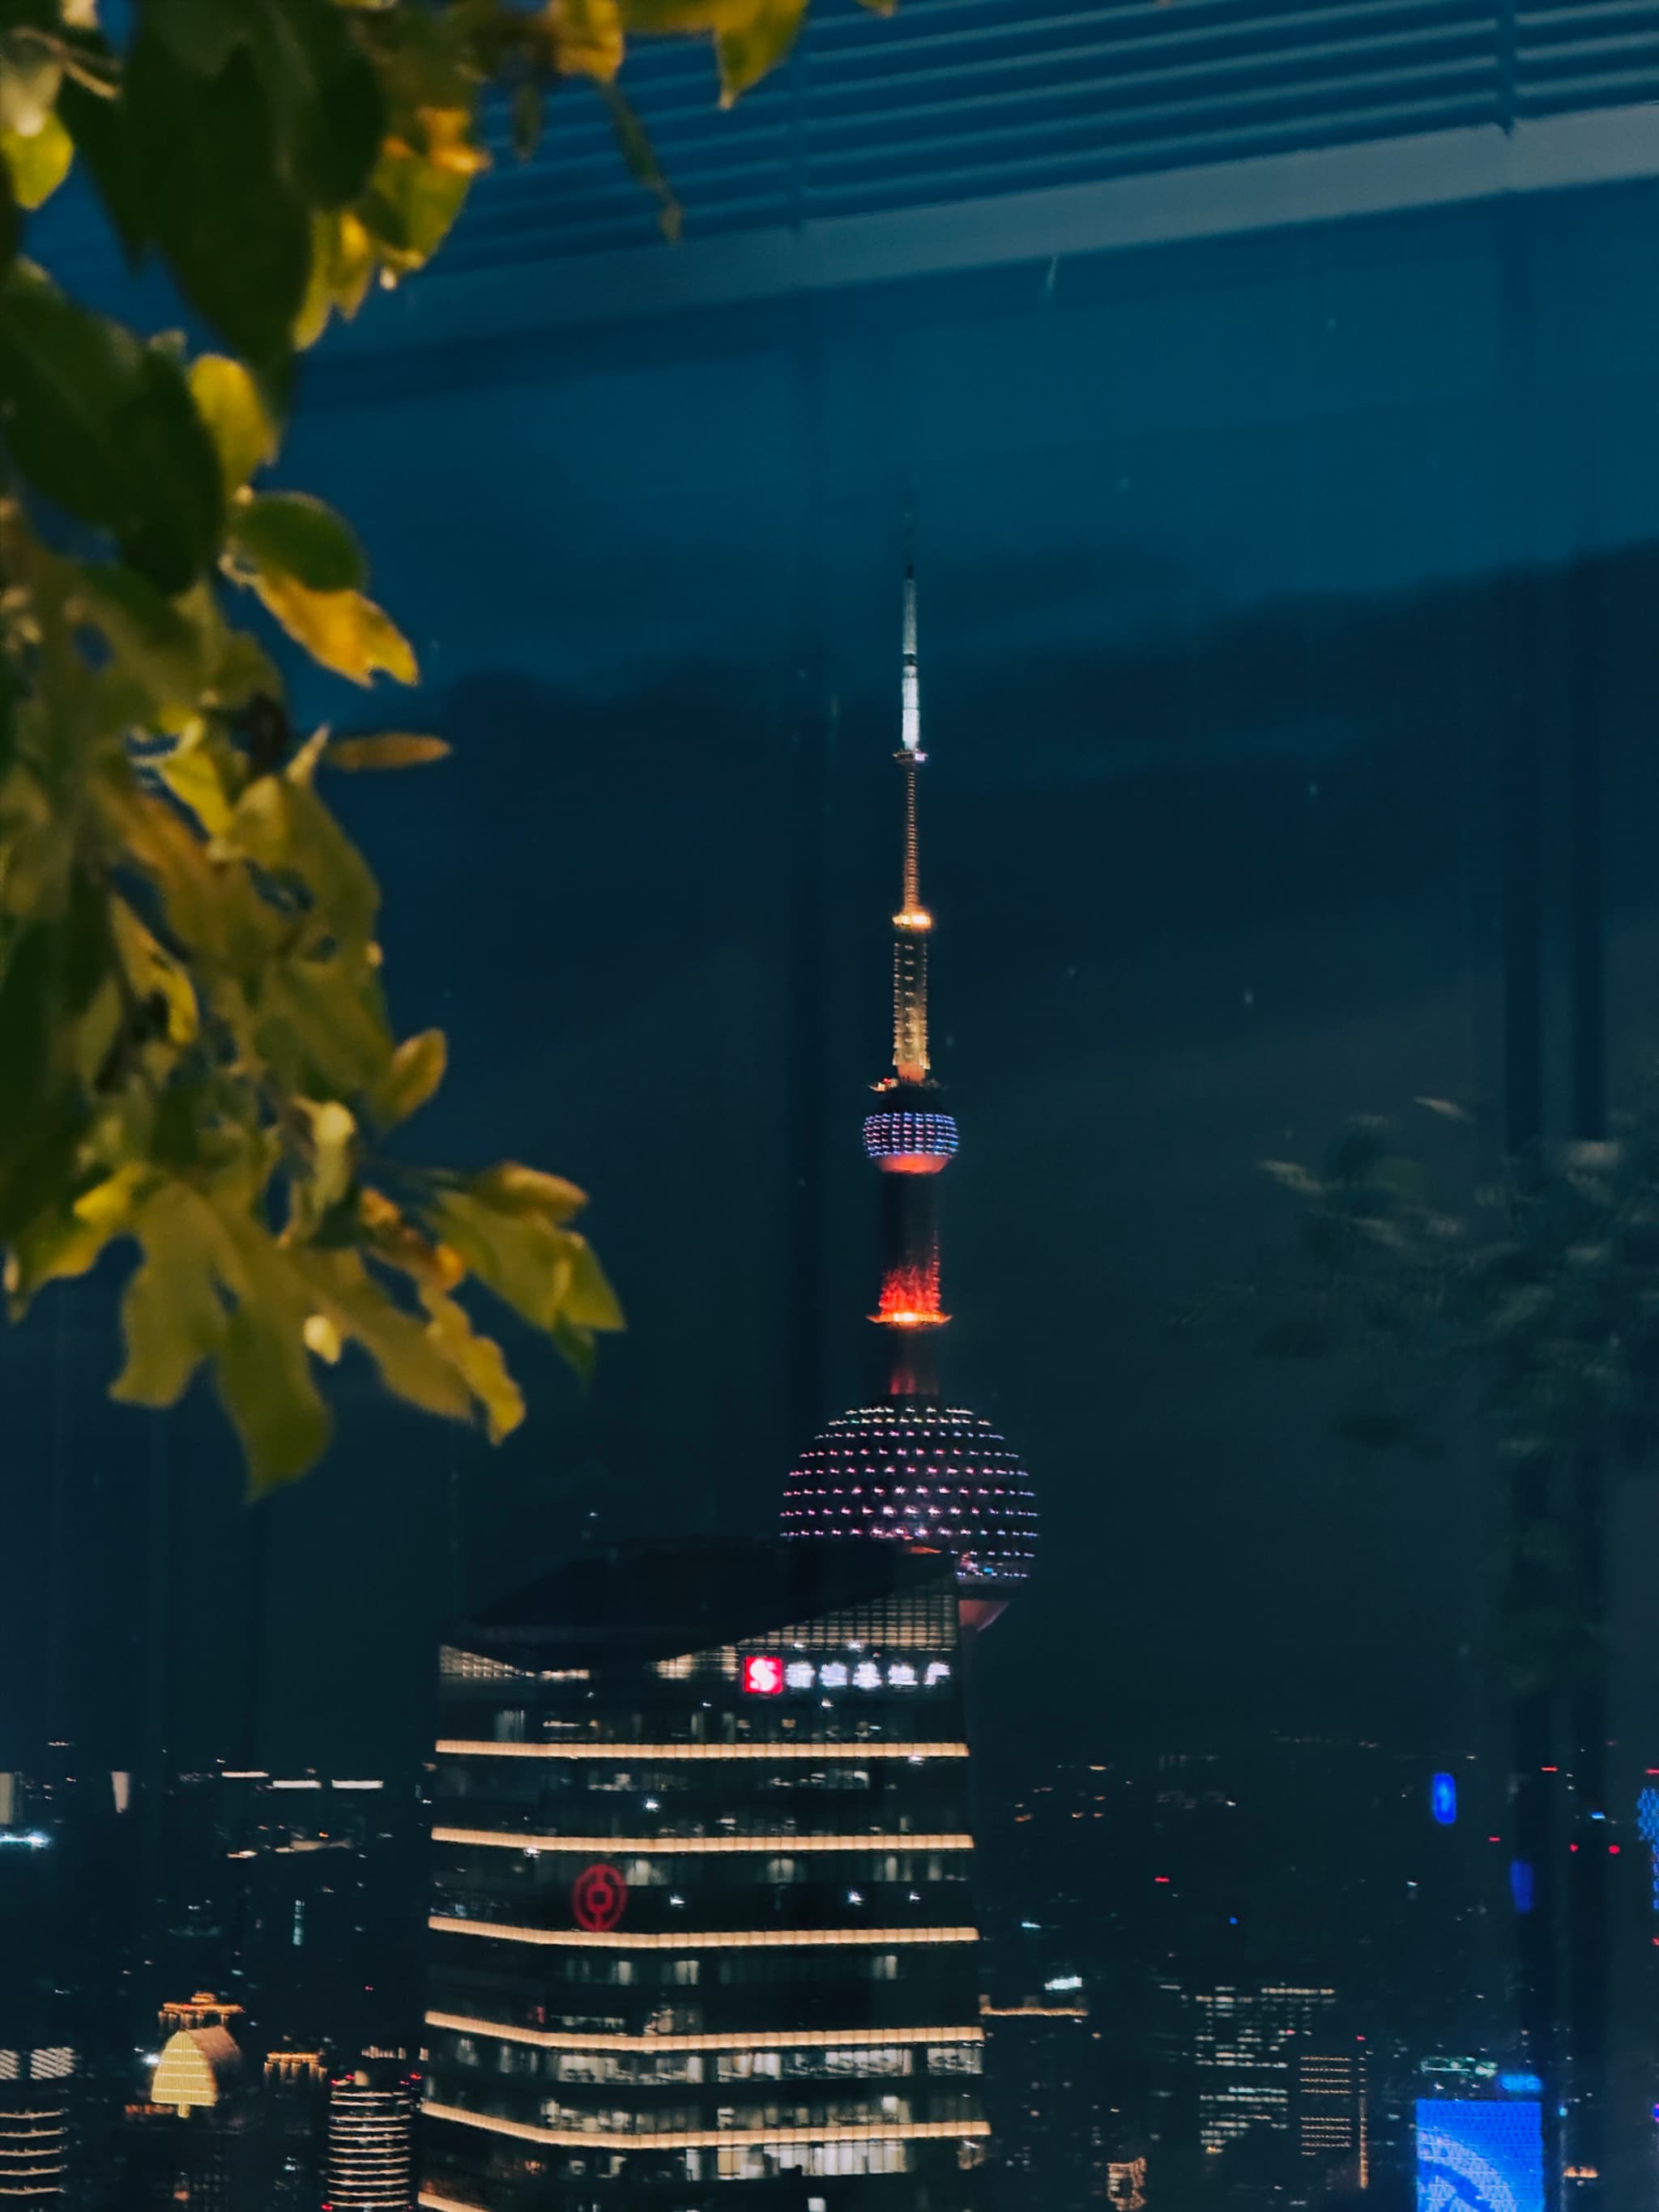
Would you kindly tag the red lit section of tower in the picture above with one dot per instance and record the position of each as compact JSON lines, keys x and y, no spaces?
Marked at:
{"x":910,"y":1468}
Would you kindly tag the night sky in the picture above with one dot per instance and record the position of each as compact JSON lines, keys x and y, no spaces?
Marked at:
{"x":1216,"y":641}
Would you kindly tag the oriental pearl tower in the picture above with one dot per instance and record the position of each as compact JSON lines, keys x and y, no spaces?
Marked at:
{"x":907,"y":1467}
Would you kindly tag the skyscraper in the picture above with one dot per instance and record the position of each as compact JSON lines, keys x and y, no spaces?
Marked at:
{"x":35,"y":2089}
{"x":906,"y":1466}
{"x":370,"y":2165}
{"x":701,"y":1910}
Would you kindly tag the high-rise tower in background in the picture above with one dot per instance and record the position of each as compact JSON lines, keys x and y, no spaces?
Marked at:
{"x":702,"y":1932}
{"x":907,"y":1466}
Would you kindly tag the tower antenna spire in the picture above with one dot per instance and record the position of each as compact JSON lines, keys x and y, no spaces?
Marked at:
{"x":913,"y":921}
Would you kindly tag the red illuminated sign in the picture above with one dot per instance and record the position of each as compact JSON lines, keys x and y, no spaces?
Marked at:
{"x":597,"y":1899}
{"x":763,"y":1676}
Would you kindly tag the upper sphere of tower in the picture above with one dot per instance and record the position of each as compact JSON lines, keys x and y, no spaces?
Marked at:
{"x":901,"y":1140}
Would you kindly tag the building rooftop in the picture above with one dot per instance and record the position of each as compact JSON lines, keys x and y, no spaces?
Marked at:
{"x":639,"y":1602}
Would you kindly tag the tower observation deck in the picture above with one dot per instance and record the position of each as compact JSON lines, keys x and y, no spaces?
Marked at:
{"x":909,"y":1467}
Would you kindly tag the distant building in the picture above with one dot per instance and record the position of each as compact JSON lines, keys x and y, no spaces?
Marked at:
{"x":702,"y":1890}
{"x":293,"y":1891}
{"x":292,"y":2104}
{"x":36,"y":2121}
{"x":1243,"y":2044}
{"x":1330,"y":2114}
{"x":195,"y":2140}
{"x":370,"y":2162}
{"x":1050,"y":2146}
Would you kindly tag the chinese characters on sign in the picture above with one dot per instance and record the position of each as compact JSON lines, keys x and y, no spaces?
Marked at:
{"x":765,"y":1675}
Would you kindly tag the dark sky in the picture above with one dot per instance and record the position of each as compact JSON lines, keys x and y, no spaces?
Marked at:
{"x":1216,"y":645}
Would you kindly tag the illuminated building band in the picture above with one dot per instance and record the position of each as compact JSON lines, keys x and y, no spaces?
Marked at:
{"x":632,"y":1753}
{"x":716,"y":2138}
{"x":690,"y":1940}
{"x":507,"y":1840}
{"x":800,"y":2038}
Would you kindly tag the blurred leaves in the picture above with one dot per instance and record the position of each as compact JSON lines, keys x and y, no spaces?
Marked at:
{"x":1537,"y":1302}
{"x":199,"y":1062}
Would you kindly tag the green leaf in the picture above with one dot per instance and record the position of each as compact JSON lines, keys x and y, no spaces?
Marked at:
{"x":98,"y":127}
{"x":343,"y":630}
{"x":412,"y":204}
{"x":212,"y":196}
{"x":748,"y":52}
{"x":417,"y":1070}
{"x":396,"y":749}
{"x":640,"y":156}
{"x":229,"y":401}
{"x":201,"y":34}
{"x":265,"y":1384}
{"x":38,"y":162}
{"x":529,"y":118}
{"x":286,"y":533}
{"x":148,"y":635}
{"x":327,"y":94}
{"x":106,"y":427}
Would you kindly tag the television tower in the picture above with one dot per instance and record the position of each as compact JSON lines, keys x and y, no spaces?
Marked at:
{"x":910,"y":1468}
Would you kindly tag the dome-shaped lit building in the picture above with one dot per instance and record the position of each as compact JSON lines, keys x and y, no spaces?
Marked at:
{"x":908,"y":1467}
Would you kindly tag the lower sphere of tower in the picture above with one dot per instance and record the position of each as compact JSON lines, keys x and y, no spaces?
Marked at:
{"x":921,"y":1473}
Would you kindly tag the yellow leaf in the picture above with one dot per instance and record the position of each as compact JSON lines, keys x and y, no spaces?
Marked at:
{"x":38,"y":162}
{"x":589,"y":1302}
{"x":322,"y":1337}
{"x":228,"y":402}
{"x":153,"y":974}
{"x":343,"y":630}
{"x":411,"y":1364}
{"x":172,"y":1314}
{"x":66,"y":1241}
{"x":286,"y":828}
{"x":587,"y":37}
{"x":198,"y":772}
{"x":447,"y":132}
{"x":417,"y":1068}
{"x":521,"y":1257}
{"x":265,"y":1384}
{"x":393,"y":749}
{"x":333,"y":1143}
{"x":478,"y":1361}
{"x":511,"y":1187}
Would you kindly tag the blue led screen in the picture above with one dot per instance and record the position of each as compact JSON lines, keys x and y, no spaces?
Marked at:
{"x":1480,"y":2157}
{"x":1442,"y":1799}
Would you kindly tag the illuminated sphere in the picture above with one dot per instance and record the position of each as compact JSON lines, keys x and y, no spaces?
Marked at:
{"x":902,"y":1142}
{"x":923,"y":1474}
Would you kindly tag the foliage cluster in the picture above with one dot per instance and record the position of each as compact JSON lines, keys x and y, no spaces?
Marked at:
{"x":195,"y":1049}
{"x":1541,"y":1294}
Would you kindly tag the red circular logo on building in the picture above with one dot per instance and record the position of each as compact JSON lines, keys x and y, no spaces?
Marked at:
{"x":597,"y":1899}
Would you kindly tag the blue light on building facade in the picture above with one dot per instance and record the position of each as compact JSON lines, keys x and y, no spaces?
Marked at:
{"x":1647,"y":1826}
{"x":1480,"y":2157}
{"x":1442,"y":1799}
{"x":1521,"y":1885}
